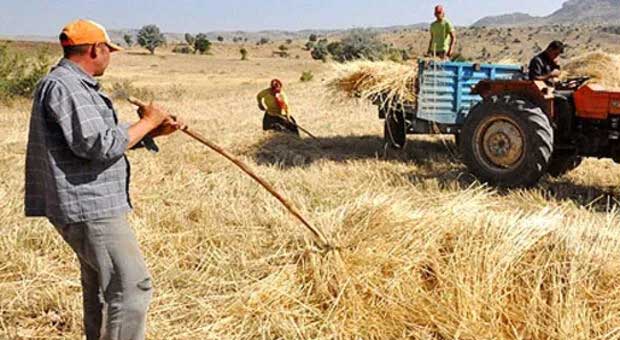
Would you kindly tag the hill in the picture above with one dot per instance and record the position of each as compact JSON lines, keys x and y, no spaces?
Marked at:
{"x":247,"y":36}
{"x":573,"y":12}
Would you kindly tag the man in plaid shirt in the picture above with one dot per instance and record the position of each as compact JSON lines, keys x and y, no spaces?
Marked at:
{"x":77,"y":175}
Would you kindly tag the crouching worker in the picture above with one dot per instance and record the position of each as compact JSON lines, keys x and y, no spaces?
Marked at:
{"x":77,"y":176}
{"x":274,"y":103}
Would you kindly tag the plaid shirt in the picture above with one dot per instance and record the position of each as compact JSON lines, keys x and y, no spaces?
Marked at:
{"x":76,"y":169}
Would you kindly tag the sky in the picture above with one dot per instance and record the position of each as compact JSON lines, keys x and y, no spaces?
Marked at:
{"x":47,"y":17}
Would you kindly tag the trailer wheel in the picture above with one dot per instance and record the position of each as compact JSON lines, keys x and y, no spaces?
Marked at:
{"x":507,"y":142}
{"x":395,"y":131}
{"x":561,"y":165}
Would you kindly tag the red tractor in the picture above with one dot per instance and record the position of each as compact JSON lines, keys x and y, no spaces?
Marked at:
{"x":522,"y":130}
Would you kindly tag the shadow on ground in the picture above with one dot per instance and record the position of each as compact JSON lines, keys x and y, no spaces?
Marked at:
{"x":435,"y":160}
{"x":596,"y":198}
{"x":289,"y":151}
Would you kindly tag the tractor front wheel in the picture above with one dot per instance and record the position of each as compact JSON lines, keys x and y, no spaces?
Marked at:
{"x":507,"y":142}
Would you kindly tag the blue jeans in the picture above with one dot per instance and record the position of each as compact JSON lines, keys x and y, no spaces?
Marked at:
{"x":116,"y":285}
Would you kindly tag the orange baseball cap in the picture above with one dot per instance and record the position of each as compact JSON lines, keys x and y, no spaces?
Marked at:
{"x":86,"y":32}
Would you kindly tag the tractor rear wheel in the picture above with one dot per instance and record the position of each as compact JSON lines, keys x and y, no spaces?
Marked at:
{"x":507,"y":141}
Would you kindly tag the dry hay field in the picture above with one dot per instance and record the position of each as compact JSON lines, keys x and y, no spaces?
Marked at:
{"x":425,"y":252}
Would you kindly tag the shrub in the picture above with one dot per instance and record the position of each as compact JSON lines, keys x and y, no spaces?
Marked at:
{"x":397,"y":55}
{"x":150,"y":38}
{"x":202,"y":44}
{"x":306,"y":76}
{"x":220,"y":38}
{"x":283,"y":48}
{"x":313,"y":37}
{"x":360,"y":44}
{"x":334,"y":48}
{"x":189,"y":39}
{"x":289,"y":41}
{"x":128,"y":39}
{"x":125,"y":88}
{"x":263,"y":41}
{"x":611,"y":29}
{"x":176,"y":91}
{"x":319,"y":52}
{"x":19,"y":75}
{"x":309,"y":46}
{"x":183,"y":49}
{"x":244,"y":53}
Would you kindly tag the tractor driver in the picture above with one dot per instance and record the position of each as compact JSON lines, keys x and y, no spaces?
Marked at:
{"x":544,"y":66}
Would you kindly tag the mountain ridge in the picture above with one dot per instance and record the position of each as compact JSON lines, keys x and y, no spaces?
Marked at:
{"x":572,"y":12}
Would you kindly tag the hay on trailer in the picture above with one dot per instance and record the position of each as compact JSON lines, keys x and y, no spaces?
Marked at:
{"x":603,"y":68}
{"x":387,"y":83}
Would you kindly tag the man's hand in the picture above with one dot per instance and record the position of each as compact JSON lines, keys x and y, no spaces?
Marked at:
{"x":153,"y":115}
{"x":169,"y":126}
{"x":555,"y":73}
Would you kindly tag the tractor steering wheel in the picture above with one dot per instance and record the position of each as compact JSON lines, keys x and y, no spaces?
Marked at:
{"x":572,"y":83}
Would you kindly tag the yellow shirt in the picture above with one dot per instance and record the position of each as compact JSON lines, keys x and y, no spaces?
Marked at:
{"x":440,"y":31}
{"x":269,"y":102}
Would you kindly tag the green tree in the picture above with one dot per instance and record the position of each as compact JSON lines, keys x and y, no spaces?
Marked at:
{"x":150,"y":37}
{"x":202,"y":44}
{"x":334,"y":48}
{"x":128,"y":39}
{"x":190,"y":39}
{"x":313,"y":37}
{"x":320,"y":52}
{"x":358,"y":44}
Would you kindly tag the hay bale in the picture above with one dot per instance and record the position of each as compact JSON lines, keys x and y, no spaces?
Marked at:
{"x":388,"y":83}
{"x":603,"y":68}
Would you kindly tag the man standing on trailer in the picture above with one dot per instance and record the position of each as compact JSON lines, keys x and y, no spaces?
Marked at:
{"x":545,"y":66}
{"x":77,"y":176}
{"x":443,"y":36}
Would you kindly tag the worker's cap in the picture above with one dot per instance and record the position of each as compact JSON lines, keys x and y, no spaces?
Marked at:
{"x":439,"y":9}
{"x":86,"y":32}
{"x":276,"y":82}
{"x":557,"y":45}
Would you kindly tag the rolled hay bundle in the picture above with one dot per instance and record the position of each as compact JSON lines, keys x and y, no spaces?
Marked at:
{"x":602,"y":67}
{"x":387,"y":83}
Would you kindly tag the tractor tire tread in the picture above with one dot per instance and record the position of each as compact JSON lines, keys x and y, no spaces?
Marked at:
{"x":539,"y":145}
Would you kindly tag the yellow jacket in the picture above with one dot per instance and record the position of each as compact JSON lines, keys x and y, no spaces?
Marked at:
{"x":268,"y":102}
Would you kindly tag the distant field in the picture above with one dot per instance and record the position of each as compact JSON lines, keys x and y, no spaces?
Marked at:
{"x":426,"y":252}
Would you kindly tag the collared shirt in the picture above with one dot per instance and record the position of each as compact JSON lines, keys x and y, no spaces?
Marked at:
{"x":542,"y":65}
{"x":440,"y":32}
{"x":76,"y":168}
{"x":268,"y":100}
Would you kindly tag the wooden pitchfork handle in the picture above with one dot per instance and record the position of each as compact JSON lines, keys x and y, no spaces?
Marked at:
{"x":306,"y":131}
{"x":195,"y":135}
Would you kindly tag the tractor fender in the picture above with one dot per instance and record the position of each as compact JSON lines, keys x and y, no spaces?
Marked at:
{"x":536,"y":92}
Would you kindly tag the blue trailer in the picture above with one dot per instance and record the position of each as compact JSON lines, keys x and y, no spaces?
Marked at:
{"x":444,"y":99}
